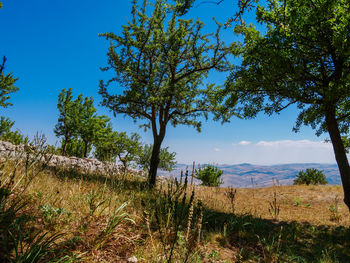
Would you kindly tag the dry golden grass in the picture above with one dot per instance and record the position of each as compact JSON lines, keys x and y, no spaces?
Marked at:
{"x":82,"y":227}
{"x":300,"y":203}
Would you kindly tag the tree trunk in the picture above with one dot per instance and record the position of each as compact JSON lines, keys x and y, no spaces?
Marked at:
{"x":154,"y":161}
{"x":85,"y":149}
{"x":64,"y":147}
{"x":340,"y":154}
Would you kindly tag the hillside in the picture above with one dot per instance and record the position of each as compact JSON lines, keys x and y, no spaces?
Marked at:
{"x":51,"y":215}
{"x":242,"y":175}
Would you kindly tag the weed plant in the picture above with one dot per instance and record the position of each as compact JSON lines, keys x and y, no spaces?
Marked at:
{"x":274,"y":208}
{"x":177,"y":219}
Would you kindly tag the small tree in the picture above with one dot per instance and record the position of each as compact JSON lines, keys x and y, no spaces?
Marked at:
{"x":128,"y":148}
{"x":167,"y":160}
{"x":90,"y":126}
{"x":210,"y":175}
{"x":311,"y":176}
{"x":78,"y":124}
{"x":66,"y":126}
{"x":113,"y":145}
{"x":160,"y":61}
{"x":6,"y":85}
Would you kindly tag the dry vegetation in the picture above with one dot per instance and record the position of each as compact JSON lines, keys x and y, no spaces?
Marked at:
{"x":310,"y":204}
{"x":112,"y":219}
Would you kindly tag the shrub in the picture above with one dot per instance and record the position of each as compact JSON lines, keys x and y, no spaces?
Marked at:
{"x":311,"y":176}
{"x":209,"y":175}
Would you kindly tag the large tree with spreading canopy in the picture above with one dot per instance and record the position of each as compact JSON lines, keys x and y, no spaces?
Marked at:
{"x":303,"y":58}
{"x":160,"y":61}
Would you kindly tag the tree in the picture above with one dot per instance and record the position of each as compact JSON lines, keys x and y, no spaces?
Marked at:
{"x":303,"y":59}
{"x":6,"y":85}
{"x":311,"y":176}
{"x":68,"y":117}
{"x":209,"y":175}
{"x":128,"y":148}
{"x":161,"y":71}
{"x":90,"y":126}
{"x":167,"y":159}
{"x":78,"y":121}
{"x":118,"y":145}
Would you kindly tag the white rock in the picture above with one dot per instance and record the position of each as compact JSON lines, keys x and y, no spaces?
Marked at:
{"x":132,"y":259}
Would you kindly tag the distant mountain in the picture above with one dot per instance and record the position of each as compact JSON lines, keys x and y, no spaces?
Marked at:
{"x":250,"y":175}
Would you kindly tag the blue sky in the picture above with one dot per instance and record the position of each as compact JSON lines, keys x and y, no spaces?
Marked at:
{"x":51,"y":45}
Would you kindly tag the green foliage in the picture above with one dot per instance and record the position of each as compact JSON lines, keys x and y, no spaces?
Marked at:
{"x":311,"y":176}
{"x":6,"y":84}
{"x":160,"y":62}
{"x":114,"y":220}
{"x":119,"y":145}
{"x":5,"y":125}
{"x":78,"y":124}
{"x":167,"y":161}
{"x":128,"y":148}
{"x":68,"y":117}
{"x":18,"y":242}
{"x":90,"y":126}
{"x":210,"y":175}
{"x":14,"y":137}
{"x":6,"y":87}
{"x":302,"y":58}
{"x":182,"y":6}
{"x":334,"y":209}
{"x":93,"y":198}
{"x":6,"y":134}
{"x":177,"y":218}
{"x":300,"y":44}
{"x":105,"y":147}
{"x":51,"y":214}
{"x":75,"y":147}
{"x":346,"y":142}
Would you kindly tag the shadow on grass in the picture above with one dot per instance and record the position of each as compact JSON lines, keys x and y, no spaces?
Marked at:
{"x":272,"y":241}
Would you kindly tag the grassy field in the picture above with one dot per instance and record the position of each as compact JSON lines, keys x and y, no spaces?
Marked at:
{"x":64,"y":216}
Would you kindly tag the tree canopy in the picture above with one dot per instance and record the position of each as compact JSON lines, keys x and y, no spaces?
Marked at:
{"x":160,"y":61}
{"x":303,"y":59}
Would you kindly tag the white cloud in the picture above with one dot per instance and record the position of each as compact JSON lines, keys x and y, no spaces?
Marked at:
{"x":244,"y":142}
{"x":295,"y":144}
{"x":261,"y":152}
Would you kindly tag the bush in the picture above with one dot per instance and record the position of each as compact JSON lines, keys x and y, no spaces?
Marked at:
{"x":209,"y":175}
{"x":310,"y":176}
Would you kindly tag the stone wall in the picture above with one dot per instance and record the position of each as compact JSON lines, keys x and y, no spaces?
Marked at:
{"x":85,"y":165}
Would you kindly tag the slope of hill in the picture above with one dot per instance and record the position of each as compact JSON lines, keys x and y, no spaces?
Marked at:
{"x":250,"y":175}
